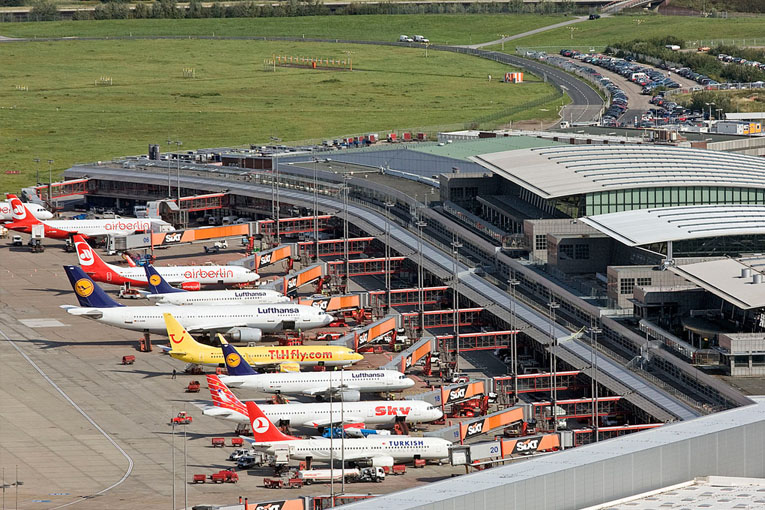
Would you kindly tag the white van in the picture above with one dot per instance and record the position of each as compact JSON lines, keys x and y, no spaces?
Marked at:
{"x":421,"y":39}
{"x":405,"y":38}
{"x":228,"y":220}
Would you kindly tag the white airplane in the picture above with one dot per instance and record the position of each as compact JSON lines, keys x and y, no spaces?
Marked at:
{"x":348,"y":384}
{"x":191,"y":277}
{"x":24,"y":219}
{"x":39,"y":212}
{"x":163,"y":293}
{"x":379,"y":450}
{"x":372,"y":412}
{"x":243,"y":322}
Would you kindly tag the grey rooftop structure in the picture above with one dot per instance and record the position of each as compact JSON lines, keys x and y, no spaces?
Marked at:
{"x":649,"y":226}
{"x":574,"y":170}
{"x":737,"y":281}
{"x":730,"y":443}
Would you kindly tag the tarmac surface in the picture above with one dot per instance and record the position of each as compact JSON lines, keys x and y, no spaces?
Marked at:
{"x":85,"y":431}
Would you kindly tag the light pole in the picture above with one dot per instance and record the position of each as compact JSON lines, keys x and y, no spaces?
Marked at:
{"x":342,"y":435}
{"x":331,"y":446}
{"x":456,"y":245}
{"x":50,"y":182}
{"x":278,"y":212}
{"x":512,"y":283}
{"x":388,"y":205}
{"x":37,"y":166}
{"x":709,"y":115}
{"x":421,"y":276}
{"x":178,"y":144}
{"x":185,"y":473}
{"x":594,"y":331}
{"x":315,"y":209}
{"x":346,"y":189}
{"x":172,"y":444}
{"x":553,"y":305}
{"x":169,"y":183}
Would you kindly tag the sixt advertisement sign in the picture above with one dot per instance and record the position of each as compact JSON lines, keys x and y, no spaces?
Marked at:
{"x":530,"y":444}
{"x":452,"y":394}
{"x":490,"y":422}
{"x":288,"y":504}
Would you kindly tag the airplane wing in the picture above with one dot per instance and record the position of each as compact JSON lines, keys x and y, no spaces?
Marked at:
{"x":216,"y":327}
{"x":167,"y":348}
{"x":323,"y":422}
{"x":91,"y":313}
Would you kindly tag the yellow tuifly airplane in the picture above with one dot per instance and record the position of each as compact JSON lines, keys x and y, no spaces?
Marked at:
{"x":288,"y":358}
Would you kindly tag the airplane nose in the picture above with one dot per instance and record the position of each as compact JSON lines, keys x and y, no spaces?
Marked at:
{"x":409,"y":382}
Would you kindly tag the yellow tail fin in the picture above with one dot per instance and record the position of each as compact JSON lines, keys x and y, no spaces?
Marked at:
{"x":181,"y":340}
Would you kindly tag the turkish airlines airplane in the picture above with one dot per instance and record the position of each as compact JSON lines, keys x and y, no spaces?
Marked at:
{"x":380,"y":451}
{"x":227,"y":406}
{"x":245,"y":322}
{"x":24,"y":219}
{"x":164,"y":293}
{"x":190,"y":277}
{"x":39,"y":212}
{"x":350,"y":383}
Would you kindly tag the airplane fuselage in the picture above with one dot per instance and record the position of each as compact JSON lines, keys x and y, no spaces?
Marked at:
{"x":311,"y":383}
{"x":62,"y":229}
{"x":382,"y":412}
{"x":268,"y":318}
{"x":220,"y":297}
{"x":399,"y":448}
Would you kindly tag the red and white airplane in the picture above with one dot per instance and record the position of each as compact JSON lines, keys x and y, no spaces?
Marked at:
{"x":188,"y":277}
{"x":39,"y":212}
{"x":226,"y":406}
{"x":24,"y":219}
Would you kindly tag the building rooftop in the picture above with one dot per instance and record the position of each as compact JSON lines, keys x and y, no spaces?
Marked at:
{"x":648,"y":226}
{"x":465,"y":149}
{"x":713,"y":492}
{"x":724,"y":278}
{"x":566,"y":170}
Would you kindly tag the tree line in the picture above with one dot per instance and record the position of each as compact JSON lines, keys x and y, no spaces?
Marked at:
{"x":45,"y":10}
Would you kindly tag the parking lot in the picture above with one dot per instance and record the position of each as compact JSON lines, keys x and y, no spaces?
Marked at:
{"x":83,"y":428}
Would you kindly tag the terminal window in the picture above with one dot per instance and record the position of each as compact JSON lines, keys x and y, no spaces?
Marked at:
{"x":540,"y":242}
{"x":643,"y":282}
{"x":567,"y":250}
{"x":626,"y":285}
{"x":582,"y":251}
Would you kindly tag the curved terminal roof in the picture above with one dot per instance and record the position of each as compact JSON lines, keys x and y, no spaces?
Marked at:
{"x":573,"y":170}
{"x":648,"y":226}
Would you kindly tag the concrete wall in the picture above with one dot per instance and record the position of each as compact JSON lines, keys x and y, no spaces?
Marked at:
{"x":619,"y":280}
{"x":536,"y":233}
{"x":561,"y":248}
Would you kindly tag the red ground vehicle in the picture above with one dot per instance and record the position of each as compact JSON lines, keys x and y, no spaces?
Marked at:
{"x":199,"y":478}
{"x":224,"y":476}
{"x":128,"y":360}
{"x":219,"y":442}
{"x":181,"y":419}
{"x":193,"y":387}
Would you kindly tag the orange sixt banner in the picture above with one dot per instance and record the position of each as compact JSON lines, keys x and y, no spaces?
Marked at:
{"x":384,"y":327}
{"x":293,"y":281}
{"x":530,"y":444}
{"x":417,"y":355}
{"x":199,"y":234}
{"x":266,"y":258}
{"x":288,"y":504}
{"x":335,"y":303}
{"x":461,"y":392}
{"x":495,"y":421}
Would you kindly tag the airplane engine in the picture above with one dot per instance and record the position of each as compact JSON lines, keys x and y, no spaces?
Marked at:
{"x":193,"y":286}
{"x":350,"y":395}
{"x":382,"y":461}
{"x":245,"y":334}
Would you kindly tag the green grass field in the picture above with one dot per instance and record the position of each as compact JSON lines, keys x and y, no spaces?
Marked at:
{"x":440,"y":29}
{"x":604,"y":31}
{"x":233,"y":100}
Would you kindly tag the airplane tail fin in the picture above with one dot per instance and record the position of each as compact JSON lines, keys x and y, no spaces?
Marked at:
{"x":88,"y":293}
{"x":90,"y":261}
{"x":235,"y":363}
{"x":263,"y":431}
{"x":224,"y":397}
{"x":180,"y":339}
{"x":21,"y":215}
{"x":157,"y":284}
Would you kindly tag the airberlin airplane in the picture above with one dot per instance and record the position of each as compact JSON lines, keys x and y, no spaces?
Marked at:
{"x":24,"y":219}
{"x":188,"y":277}
{"x":39,"y":212}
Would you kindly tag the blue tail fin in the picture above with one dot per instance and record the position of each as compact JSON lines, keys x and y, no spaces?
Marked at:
{"x":88,"y":293}
{"x":157,"y":284}
{"x":235,"y":362}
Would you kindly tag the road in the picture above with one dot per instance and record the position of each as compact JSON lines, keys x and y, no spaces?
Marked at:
{"x":530,"y":32}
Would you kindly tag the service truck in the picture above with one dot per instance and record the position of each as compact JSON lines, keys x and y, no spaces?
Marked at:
{"x":367,"y":474}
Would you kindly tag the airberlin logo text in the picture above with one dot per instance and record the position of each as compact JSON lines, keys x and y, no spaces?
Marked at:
{"x":209,"y":273}
{"x":128,"y":225}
